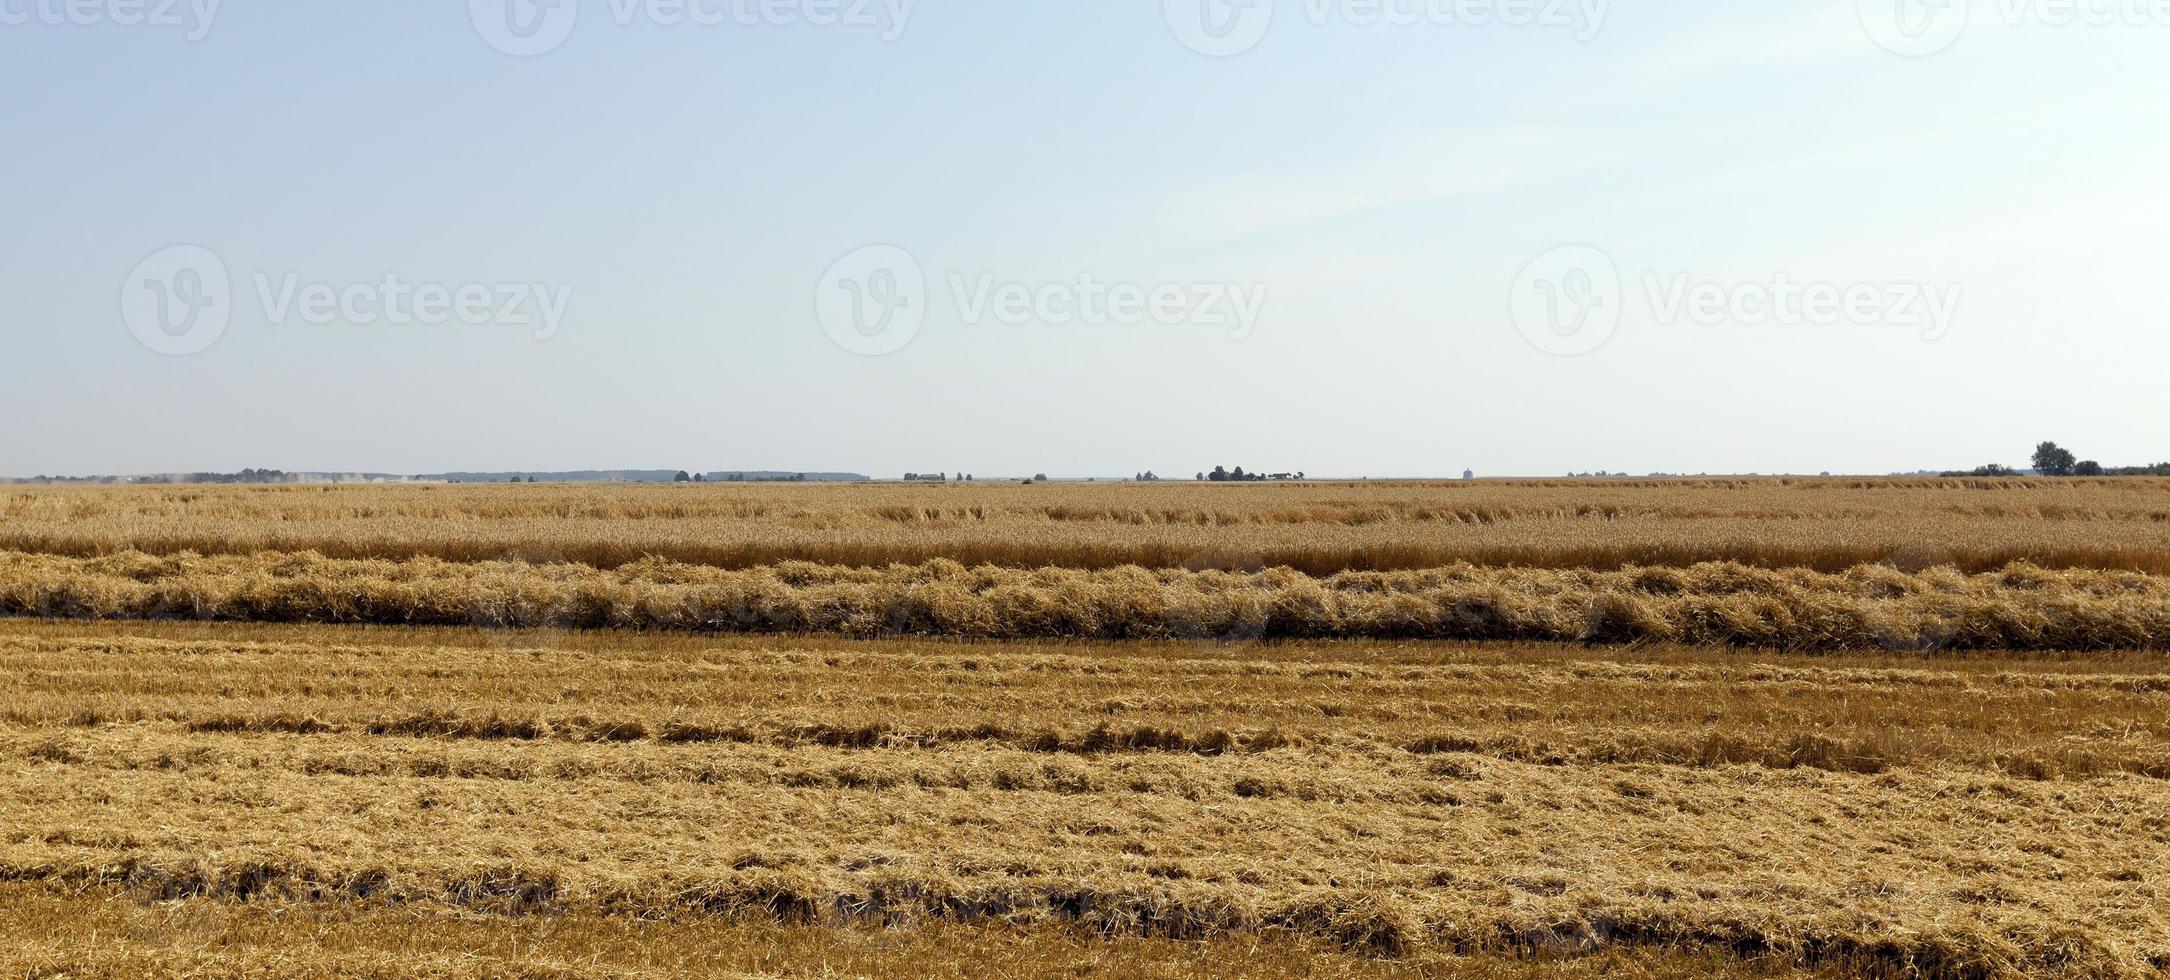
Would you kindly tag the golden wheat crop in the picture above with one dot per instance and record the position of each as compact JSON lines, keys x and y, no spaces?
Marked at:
{"x":1319,"y":529}
{"x":1946,"y":817}
{"x":2021,"y":607}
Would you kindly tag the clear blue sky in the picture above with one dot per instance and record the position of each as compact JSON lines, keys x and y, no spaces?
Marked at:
{"x":690,"y":186}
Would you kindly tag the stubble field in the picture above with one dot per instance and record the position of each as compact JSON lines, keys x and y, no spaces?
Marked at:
{"x":442,"y":745}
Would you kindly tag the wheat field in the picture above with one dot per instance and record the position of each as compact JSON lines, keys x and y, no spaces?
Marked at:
{"x":1660,"y":729}
{"x":1319,"y":529}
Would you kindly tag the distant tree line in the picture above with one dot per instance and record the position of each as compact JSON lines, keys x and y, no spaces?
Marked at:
{"x":2051,"y":459}
{"x":1222,"y":474}
{"x":245,"y":476}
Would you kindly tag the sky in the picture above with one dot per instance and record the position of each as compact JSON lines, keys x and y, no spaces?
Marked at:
{"x":1349,"y":237}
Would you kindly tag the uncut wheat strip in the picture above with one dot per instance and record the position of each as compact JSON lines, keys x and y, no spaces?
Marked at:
{"x":2018,"y":608}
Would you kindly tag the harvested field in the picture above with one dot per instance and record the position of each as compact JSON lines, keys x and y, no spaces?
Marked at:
{"x":1393,"y":801}
{"x":1829,"y":525}
{"x":1659,"y":729}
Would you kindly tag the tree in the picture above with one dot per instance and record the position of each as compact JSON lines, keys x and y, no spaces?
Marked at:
{"x":1238,"y":475}
{"x":2087,"y":467}
{"x":682,"y":477}
{"x":1220,"y":474}
{"x":2051,"y":459}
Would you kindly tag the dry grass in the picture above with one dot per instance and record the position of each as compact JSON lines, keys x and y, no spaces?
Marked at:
{"x":1319,"y":529}
{"x":114,"y":934}
{"x":1405,"y":802}
{"x":2021,"y":607}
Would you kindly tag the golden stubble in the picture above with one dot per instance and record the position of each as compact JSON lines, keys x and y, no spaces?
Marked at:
{"x":1949,"y":816}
